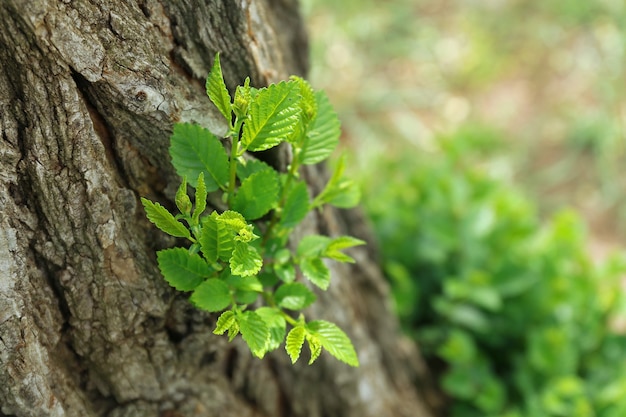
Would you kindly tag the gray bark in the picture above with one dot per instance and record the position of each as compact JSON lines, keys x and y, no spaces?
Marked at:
{"x":89,"y":91}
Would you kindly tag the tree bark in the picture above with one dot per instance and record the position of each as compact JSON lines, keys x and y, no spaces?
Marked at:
{"x":89,"y":91}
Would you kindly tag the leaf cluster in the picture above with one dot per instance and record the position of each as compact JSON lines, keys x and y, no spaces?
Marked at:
{"x":238,"y":261}
{"x":516,"y":308}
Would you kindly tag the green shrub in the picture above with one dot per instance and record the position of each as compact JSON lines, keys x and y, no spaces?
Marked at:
{"x":515,"y":308}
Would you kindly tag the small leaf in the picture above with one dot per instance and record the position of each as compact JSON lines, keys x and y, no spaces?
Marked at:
{"x":164,"y":220}
{"x":225,"y":322}
{"x":337,"y":244}
{"x":233,"y":221}
{"x":312,"y":245}
{"x":272,"y":116}
{"x":201,"y":194}
{"x":316,"y":272}
{"x":257,"y":195}
{"x":182,"y":199}
{"x":243,"y":96}
{"x":296,"y":206}
{"x":246,"y":261}
{"x":339,"y":191}
{"x":245,"y":283}
{"x":276,"y":323}
{"x":294,"y":296}
{"x":195,"y":150}
{"x":295,"y":340}
{"x":323,"y":133}
{"x":216,"y":89}
{"x":181,"y":269}
{"x":215,"y":239}
{"x":212,"y":295}
{"x":286,"y":272}
{"x":250,"y":167}
{"x":255,"y":332}
{"x":334,"y":340}
{"x":314,"y":346}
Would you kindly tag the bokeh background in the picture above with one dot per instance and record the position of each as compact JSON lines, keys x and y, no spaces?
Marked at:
{"x":543,"y":81}
{"x":490,"y":140}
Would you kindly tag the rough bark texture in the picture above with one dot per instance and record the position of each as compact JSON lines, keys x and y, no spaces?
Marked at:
{"x":89,"y":91}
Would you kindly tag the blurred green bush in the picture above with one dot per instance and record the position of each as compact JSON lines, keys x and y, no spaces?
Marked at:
{"x":513,"y":310}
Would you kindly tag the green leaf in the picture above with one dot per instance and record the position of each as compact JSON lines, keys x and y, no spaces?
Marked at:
{"x":296,"y":206}
{"x":339,"y":191}
{"x":308,"y":100}
{"x":334,"y":340}
{"x":245,"y":283}
{"x":212,"y":295}
{"x":294,"y":296}
{"x":257,"y":195}
{"x":276,"y":324}
{"x":215,"y":239}
{"x":224,"y":322}
{"x":315,"y":347}
{"x":294,"y":342}
{"x":246,"y":261}
{"x":343,"y":242}
{"x":164,"y":220}
{"x":233,"y":221}
{"x":312,"y":245}
{"x":323,"y":134}
{"x":286,"y":272}
{"x":243,"y":96}
{"x":272,"y":116}
{"x":181,"y":269}
{"x":255,"y":332}
{"x":216,"y":89}
{"x":195,"y":150}
{"x":250,"y":167}
{"x":316,"y":272}
{"x":201,"y":194}
{"x":182,"y":199}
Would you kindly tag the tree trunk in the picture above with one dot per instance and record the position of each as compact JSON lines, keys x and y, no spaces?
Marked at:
{"x":89,"y":91}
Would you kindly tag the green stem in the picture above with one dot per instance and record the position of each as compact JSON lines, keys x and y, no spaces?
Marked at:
{"x":234,"y":150}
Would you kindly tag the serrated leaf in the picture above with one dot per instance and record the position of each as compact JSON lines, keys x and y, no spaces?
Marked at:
{"x":201,"y":194}
{"x":323,"y":134}
{"x":212,"y":295}
{"x":164,"y":220}
{"x":316,"y":272}
{"x":216,"y":89}
{"x":224,"y":322}
{"x":294,"y":342}
{"x":251,"y":167}
{"x":257,"y":195}
{"x":308,"y":101}
{"x":255,"y":332}
{"x":334,"y":340}
{"x":296,"y":206}
{"x":182,"y":199}
{"x":245,"y":261}
{"x":314,"y":346}
{"x":272,"y":116}
{"x":294,"y":296}
{"x":215,"y":239}
{"x":233,"y":221}
{"x":233,"y":331}
{"x":195,"y":150}
{"x":182,"y":270}
{"x":337,"y":244}
{"x":276,"y":324}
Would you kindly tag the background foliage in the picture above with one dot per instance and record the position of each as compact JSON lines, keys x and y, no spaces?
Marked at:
{"x":490,"y":136}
